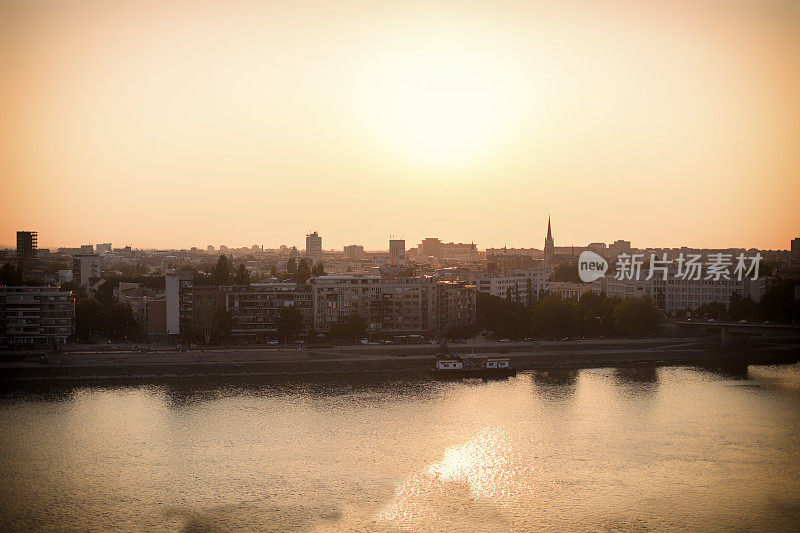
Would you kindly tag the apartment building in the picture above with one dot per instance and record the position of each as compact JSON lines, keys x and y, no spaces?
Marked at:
{"x":397,"y":251}
{"x":256,"y":308}
{"x":179,"y":301}
{"x":35,"y":316}
{"x":674,"y":294}
{"x":86,"y":269}
{"x":516,"y":285}
{"x":353,"y":251}
{"x":314,"y":247}
{"x":393,"y":307}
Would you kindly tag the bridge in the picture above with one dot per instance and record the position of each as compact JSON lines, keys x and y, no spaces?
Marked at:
{"x":739,"y":333}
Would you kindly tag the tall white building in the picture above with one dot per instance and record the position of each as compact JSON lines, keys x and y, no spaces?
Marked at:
{"x":86,"y":269}
{"x":179,"y":301}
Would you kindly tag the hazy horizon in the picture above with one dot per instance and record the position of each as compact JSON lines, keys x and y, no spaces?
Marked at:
{"x":171,"y":125}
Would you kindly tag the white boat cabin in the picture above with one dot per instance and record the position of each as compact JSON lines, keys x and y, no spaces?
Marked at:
{"x":449,"y":364}
{"x":497,"y":363}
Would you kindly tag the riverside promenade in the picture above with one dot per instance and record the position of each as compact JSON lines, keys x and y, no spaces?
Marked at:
{"x":148,"y":362}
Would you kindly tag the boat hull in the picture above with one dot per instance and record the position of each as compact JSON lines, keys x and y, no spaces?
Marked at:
{"x":499,"y":373}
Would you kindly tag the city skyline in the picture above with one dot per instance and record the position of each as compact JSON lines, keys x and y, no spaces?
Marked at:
{"x":326,"y":247}
{"x":385,"y":248}
{"x":666,"y":124}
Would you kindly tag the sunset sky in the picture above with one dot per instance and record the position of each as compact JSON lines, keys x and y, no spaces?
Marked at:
{"x":178,"y":124}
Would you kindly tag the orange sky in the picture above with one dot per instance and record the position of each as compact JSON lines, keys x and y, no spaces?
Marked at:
{"x":177,"y":124}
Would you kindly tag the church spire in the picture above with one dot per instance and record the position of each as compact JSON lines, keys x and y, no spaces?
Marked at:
{"x":549,"y":246}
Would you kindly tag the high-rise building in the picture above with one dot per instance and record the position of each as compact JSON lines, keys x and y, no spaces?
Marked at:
{"x":86,"y":269}
{"x":397,"y":250}
{"x":353,"y":251}
{"x":549,"y":246}
{"x":87,"y":248}
{"x":27,"y":246}
{"x":103,"y":248}
{"x":314,"y":246}
{"x":795,"y":252}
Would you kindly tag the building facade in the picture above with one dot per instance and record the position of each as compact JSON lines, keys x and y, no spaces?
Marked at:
{"x":353,"y":251}
{"x":314,"y":246}
{"x":35,"y":316}
{"x":410,"y":306}
{"x":86,"y":269}
{"x":397,"y":251}
{"x":257,"y":307}
{"x":179,"y":297}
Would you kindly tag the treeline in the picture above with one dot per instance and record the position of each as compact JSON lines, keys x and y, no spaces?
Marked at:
{"x":224,"y":273}
{"x":777,"y":305}
{"x":551,"y":317}
{"x":104,"y":317}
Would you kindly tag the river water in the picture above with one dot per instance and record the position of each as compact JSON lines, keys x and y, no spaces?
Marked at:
{"x":666,"y":449}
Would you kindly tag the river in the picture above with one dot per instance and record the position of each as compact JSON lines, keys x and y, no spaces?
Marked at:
{"x":637,"y":449}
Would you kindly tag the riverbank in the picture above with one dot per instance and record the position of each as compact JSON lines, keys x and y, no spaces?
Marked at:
{"x":288,"y":361}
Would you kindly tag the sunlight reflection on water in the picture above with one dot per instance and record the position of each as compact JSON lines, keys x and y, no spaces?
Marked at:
{"x":599,"y":449}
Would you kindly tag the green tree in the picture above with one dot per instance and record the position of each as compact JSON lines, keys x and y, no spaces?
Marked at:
{"x":88,"y":318}
{"x":303,"y":272}
{"x":503,"y":318}
{"x":636,"y":317}
{"x":291,"y":266}
{"x":222,"y":271}
{"x":318,"y":269}
{"x":596,"y":310}
{"x":109,"y":319}
{"x":553,"y":317}
{"x":273,"y":271}
{"x":211,"y":324}
{"x":741,"y":308}
{"x":289,"y":323}
{"x":11,"y":275}
{"x":716,"y":310}
{"x":242,"y":275}
{"x":350,"y":328}
{"x":776,"y":305}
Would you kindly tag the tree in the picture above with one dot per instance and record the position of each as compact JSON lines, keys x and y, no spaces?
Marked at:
{"x":715,"y":310}
{"x":303,"y":272}
{"x":211,"y":324}
{"x":289,"y":323}
{"x":350,"y":328}
{"x":222,"y":273}
{"x":636,"y":317}
{"x":291,"y":266}
{"x":318,"y":269}
{"x":88,"y":318}
{"x":273,"y":271}
{"x":596,"y":310}
{"x":242,"y":275}
{"x":777,"y":303}
{"x":741,"y":308}
{"x":553,"y":317}
{"x":107,"y":318}
{"x":504,"y":318}
{"x":11,"y":275}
